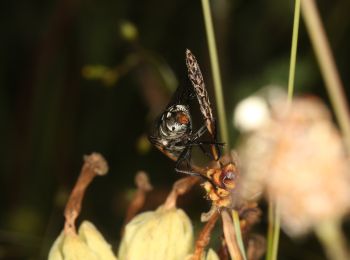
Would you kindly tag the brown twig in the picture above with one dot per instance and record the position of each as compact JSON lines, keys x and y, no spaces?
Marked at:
{"x":94,"y":165}
{"x":230,"y":236}
{"x":204,"y":237}
{"x":223,"y":253}
{"x":143,"y":186}
{"x":180,"y":187}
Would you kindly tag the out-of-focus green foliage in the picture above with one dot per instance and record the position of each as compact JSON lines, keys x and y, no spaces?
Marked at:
{"x":57,"y":57}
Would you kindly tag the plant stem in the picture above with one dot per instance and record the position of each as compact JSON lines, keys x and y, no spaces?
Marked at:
{"x":327,"y":65}
{"x":230,"y":236}
{"x":330,"y":235}
{"x":139,"y":198}
{"x":274,"y":218}
{"x":239,"y":239}
{"x":276,"y":233}
{"x":220,"y":105}
{"x":94,"y":165}
{"x":273,"y":231}
{"x":293,"y":53}
{"x":204,"y":237}
{"x":269,"y":231}
{"x":216,"y":73}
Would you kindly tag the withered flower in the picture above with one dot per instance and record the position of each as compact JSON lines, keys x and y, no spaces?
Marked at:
{"x":165,"y":233}
{"x":88,"y":243}
{"x":161,"y":234}
{"x":299,"y":159}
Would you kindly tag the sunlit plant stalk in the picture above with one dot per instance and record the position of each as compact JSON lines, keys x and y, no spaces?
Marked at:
{"x":332,"y":240}
{"x":270,"y":230}
{"x":216,"y":73}
{"x":328,"y":67}
{"x":329,"y":233}
{"x":273,"y":231}
{"x":230,"y":236}
{"x":219,"y":99}
{"x":240,"y":243}
{"x":273,"y":215}
{"x":293,"y":53}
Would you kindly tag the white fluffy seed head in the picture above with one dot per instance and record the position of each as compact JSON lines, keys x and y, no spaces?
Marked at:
{"x":250,"y":114}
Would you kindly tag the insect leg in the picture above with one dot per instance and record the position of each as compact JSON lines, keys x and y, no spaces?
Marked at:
{"x":206,"y":143}
{"x":211,"y":144}
{"x":185,"y":156}
{"x":201,"y":131}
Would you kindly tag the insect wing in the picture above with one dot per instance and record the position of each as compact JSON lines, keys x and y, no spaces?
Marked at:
{"x":196,"y":78}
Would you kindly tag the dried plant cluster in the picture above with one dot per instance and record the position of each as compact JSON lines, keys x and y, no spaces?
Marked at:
{"x":223,"y":182}
{"x":173,"y":136}
{"x":298,"y":158}
{"x":167,"y":233}
{"x":292,"y":153}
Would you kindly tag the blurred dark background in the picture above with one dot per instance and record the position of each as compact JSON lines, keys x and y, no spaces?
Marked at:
{"x":84,"y":76}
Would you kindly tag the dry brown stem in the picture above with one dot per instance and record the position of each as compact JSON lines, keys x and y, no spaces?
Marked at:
{"x":223,"y":253}
{"x":204,"y":237}
{"x":143,"y":186}
{"x":180,"y":187}
{"x":94,"y":165}
{"x":205,"y":216}
{"x":230,"y":236}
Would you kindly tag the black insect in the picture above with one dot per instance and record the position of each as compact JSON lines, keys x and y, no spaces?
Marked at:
{"x":173,"y":131}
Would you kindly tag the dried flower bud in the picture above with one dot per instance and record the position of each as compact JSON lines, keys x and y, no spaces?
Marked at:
{"x":223,"y":181}
{"x":300,"y":160}
{"x":88,"y":244}
{"x":162,"y":234}
{"x":97,"y":163}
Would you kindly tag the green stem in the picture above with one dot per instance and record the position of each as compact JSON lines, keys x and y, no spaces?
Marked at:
{"x":216,"y":73}
{"x":273,"y":231}
{"x":238,"y":232}
{"x":276,"y":233}
{"x":231,"y":236}
{"x":327,"y":65}
{"x":330,"y":235}
{"x":293,"y":53}
{"x":269,"y":231}
{"x":274,"y":219}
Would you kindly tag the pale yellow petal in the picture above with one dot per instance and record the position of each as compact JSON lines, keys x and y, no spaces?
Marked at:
{"x":211,"y":255}
{"x":56,"y":249}
{"x":75,"y":249}
{"x":95,"y":241}
{"x":161,"y":234}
